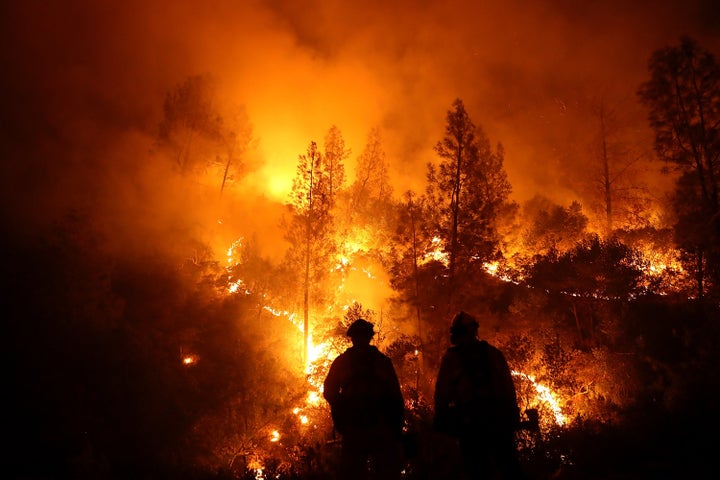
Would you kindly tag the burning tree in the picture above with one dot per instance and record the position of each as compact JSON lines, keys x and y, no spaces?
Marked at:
{"x":551,"y":227}
{"x":683,"y":96}
{"x":586,"y":278}
{"x":370,"y":193}
{"x":335,"y":156}
{"x":466,"y":191}
{"x":623,"y":200}
{"x":309,"y":228}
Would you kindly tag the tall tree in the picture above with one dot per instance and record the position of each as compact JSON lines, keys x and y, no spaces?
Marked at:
{"x":618,"y":192}
{"x":417,"y":264}
{"x":310,"y":226}
{"x":335,"y":156}
{"x":408,"y":238}
{"x":466,"y":190}
{"x":683,"y":98}
{"x":369,"y":210}
{"x":371,"y":191}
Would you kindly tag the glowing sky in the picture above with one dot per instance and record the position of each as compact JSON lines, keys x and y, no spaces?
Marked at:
{"x":84,"y":81}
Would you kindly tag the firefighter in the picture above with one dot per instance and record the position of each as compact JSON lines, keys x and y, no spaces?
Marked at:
{"x":367,"y":407}
{"x":475,"y":402}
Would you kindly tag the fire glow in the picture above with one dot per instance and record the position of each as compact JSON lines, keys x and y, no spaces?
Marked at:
{"x":322,"y":351}
{"x":546,"y":396}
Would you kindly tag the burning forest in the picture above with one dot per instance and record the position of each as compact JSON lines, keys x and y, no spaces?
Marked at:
{"x":199,"y":202}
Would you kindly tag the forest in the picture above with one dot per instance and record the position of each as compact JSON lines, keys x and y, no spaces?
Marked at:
{"x":201,"y":356}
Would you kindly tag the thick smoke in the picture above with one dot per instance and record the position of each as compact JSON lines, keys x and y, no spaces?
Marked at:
{"x":85,"y":81}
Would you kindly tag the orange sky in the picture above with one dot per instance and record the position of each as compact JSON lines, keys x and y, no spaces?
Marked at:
{"x":86,"y":80}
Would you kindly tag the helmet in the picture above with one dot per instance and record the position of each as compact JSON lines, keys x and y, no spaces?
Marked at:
{"x":361,"y":327}
{"x":464,"y":323}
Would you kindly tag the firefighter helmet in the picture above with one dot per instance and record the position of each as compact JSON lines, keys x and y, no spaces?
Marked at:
{"x":361,"y":327}
{"x":464,"y":323}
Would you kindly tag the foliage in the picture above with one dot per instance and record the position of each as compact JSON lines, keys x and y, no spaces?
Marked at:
{"x":410,"y":245}
{"x":370,"y":193}
{"x":335,"y":156}
{"x":309,"y":229}
{"x":683,"y":98}
{"x":465,"y":191}
{"x":552,"y":227}
{"x":595,"y":268}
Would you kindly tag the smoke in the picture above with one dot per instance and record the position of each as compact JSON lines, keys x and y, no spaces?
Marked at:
{"x":86,"y":80}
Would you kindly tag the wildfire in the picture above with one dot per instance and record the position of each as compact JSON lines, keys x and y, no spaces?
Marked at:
{"x":232,"y":249}
{"x":313,"y":397}
{"x":436,"y":253}
{"x":322,"y":352}
{"x":545,"y":395}
{"x":234,"y":285}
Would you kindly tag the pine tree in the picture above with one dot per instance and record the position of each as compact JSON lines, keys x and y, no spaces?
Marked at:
{"x":309,"y":229}
{"x":466,"y":192}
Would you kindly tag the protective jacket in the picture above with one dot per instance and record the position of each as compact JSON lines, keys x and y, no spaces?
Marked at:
{"x":362,"y":389}
{"x":475,"y":391}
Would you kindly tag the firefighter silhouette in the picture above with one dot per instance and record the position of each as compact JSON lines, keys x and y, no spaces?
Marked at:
{"x":475,"y":402}
{"x":367,"y":408}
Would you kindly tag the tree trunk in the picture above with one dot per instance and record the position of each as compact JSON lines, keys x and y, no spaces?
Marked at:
{"x":607,"y":183}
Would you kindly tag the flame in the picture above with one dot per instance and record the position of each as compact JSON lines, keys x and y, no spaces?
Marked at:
{"x":257,"y":466}
{"x":189,"y":359}
{"x":545,"y":395}
{"x":436,"y":253}
{"x":313,"y":398}
{"x":235,"y":246}
{"x":491,"y":267}
{"x":323,"y":352}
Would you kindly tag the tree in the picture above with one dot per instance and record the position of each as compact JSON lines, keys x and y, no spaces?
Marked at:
{"x":197,"y":131}
{"x":370,"y":193}
{"x":310,"y":226}
{"x":551,"y":226}
{"x":623,"y":199}
{"x":407,"y":251}
{"x":368,"y":208}
{"x":191,"y":124}
{"x":592,"y":274}
{"x":683,"y":98}
{"x":466,"y":190}
{"x":335,"y":155}
{"x":236,"y":140}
